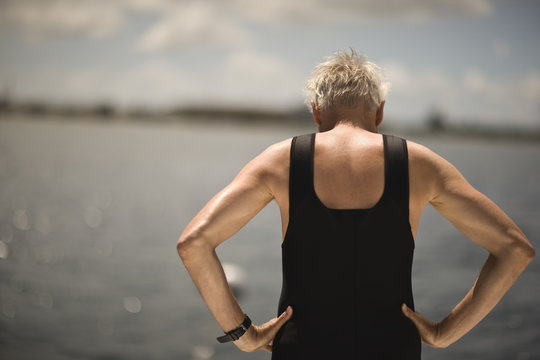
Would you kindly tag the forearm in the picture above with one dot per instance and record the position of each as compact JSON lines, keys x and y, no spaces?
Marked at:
{"x":208,"y":276}
{"x":496,"y":277}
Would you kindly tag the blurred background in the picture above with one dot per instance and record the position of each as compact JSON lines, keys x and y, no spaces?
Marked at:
{"x":120,"y":119}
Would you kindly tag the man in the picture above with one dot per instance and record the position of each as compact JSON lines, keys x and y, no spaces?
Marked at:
{"x":350,"y":202}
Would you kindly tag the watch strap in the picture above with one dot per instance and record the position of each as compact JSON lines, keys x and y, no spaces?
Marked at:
{"x":235,"y":334}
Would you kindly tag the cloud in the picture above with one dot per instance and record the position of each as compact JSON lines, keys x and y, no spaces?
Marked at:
{"x":471,"y":95}
{"x":501,"y":48}
{"x":332,"y":10}
{"x":193,"y":24}
{"x":59,"y":18}
{"x":152,"y":83}
{"x":184,"y":23}
{"x":243,"y":78}
{"x":531,"y":86}
{"x":253,"y":77}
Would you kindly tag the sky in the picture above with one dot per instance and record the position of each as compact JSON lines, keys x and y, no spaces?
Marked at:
{"x":476,"y":61}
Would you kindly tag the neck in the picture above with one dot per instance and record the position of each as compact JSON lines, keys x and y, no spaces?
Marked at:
{"x":349,"y":117}
{"x":344,"y":126}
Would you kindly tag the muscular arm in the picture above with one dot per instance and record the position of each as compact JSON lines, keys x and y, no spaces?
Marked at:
{"x":488,"y":226}
{"x":224,"y":215}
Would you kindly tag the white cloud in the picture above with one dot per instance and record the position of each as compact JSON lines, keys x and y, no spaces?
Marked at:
{"x":46,"y":19}
{"x":501,"y":48}
{"x":473,"y":95}
{"x":244,"y":78}
{"x":321,"y":10}
{"x":193,"y":24}
{"x":254,"y":78}
{"x":189,"y":22}
{"x":153,"y":83}
{"x":531,"y":86}
{"x":474,"y":81}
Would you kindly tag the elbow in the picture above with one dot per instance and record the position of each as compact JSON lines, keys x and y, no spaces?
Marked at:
{"x":184,"y":246}
{"x":190,"y":244}
{"x":522,"y":249}
{"x":529,"y":252}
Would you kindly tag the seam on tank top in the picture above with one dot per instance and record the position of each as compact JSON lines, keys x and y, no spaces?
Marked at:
{"x":386,"y":162}
{"x":406,"y":160}
{"x":355,"y":284}
{"x":291,"y":209}
{"x":291,"y":171}
{"x":407,"y":188}
{"x":312,"y":162}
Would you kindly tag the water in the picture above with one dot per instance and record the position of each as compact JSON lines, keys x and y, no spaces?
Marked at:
{"x":90,"y":213}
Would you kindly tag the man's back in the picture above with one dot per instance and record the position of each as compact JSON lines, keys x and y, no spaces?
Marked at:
{"x":347,"y":271}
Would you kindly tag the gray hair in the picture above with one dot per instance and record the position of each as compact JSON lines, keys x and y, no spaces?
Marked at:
{"x":346,"y":79}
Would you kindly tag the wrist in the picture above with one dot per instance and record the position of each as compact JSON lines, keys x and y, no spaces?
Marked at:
{"x":236,"y":333}
{"x":441,"y":338}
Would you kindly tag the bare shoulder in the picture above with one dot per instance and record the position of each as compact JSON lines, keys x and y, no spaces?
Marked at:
{"x":274,"y":163}
{"x":270,"y":168}
{"x":422,"y":156}
{"x":278,"y":152}
{"x":430,"y":173}
{"x":423,"y":165}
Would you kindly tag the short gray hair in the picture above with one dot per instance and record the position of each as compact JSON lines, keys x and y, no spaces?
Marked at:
{"x":346,"y":79}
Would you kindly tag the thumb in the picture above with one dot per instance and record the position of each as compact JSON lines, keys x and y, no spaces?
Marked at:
{"x":408,"y":312}
{"x":270,"y":329}
{"x":282,"y":319}
{"x":286,"y":315}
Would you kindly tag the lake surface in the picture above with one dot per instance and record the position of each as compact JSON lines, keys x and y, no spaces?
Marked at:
{"x":90,"y":213}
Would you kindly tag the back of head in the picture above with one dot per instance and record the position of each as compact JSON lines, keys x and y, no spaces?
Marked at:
{"x":347,"y":79}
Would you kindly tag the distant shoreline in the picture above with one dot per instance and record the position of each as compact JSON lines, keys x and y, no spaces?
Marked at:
{"x":104,"y":113}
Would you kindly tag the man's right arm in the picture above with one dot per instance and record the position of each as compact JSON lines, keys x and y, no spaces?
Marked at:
{"x":488,"y":226}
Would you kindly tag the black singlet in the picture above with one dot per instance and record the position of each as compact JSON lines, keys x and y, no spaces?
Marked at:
{"x":346,"y":272}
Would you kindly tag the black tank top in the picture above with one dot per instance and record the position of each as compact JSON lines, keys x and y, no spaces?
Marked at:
{"x":346,"y":272}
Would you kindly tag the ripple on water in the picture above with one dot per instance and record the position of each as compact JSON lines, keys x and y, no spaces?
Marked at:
{"x":4,"y":250}
{"x":132,"y":304}
{"x":8,"y":310}
{"x":43,"y":300}
{"x":21,"y":220}
{"x":42,"y":223}
{"x":202,"y":352}
{"x":6,"y":233}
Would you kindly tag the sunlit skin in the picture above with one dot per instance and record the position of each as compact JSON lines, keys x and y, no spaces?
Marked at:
{"x":348,"y":173}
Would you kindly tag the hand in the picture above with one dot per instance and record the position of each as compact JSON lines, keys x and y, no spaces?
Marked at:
{"x":260,"y":337}
{"x":429,"y":330}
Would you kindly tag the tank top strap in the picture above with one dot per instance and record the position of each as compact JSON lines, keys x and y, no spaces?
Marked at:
{"x":301,"y":169}
{"x":397,"y":170}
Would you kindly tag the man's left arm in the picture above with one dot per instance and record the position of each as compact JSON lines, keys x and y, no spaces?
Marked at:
{"x":224,"y":215}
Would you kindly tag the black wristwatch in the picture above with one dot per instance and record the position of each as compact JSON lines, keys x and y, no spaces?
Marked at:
{"x":236,"y":333}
